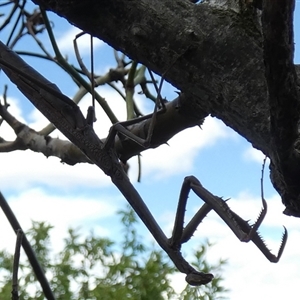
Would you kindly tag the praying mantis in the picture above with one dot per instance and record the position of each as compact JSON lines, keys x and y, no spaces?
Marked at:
{"x":68,"y":118}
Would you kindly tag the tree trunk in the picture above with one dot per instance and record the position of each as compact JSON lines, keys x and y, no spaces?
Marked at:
{"x":217,"y":58}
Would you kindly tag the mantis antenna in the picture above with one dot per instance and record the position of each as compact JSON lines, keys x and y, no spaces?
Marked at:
{"x":92,"y":76}
{"x":91,"y":114}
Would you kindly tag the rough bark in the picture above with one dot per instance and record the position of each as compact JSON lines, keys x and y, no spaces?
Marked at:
{"x":215,"y":57}
{"x":283,"y":99}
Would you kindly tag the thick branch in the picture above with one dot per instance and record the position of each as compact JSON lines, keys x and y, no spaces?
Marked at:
{"x":167,"y":124}
{"x":28,"y":138}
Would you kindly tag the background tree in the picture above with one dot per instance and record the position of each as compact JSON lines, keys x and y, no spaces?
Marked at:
{"x":99,"y":268}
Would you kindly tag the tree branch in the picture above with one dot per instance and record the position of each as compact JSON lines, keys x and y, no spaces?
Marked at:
{"x":27,"y":138}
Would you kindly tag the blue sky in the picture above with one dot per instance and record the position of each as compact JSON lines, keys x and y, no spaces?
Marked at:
{"x":43,"y":189}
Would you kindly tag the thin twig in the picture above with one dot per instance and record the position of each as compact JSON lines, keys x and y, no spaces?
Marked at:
{"x":72,"y":72}
{"x":130,"y":91}
{"x":9,"y":17}
{"x":84,"y":69}
{"x":30,"y":27}
{"x":92,"y":74}
{"x":15,"y":26}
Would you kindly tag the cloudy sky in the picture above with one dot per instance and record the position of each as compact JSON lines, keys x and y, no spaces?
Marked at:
{"x":43,"y":189}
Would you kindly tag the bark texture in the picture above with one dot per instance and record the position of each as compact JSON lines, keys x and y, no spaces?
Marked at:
{"x":217,"y":58}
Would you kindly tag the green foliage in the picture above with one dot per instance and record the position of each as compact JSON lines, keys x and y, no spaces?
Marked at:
{"x":98,"y":268}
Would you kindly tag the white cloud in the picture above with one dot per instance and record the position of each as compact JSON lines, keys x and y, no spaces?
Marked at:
{"x":37,"y":121}
{"x":183,"y":148}
{"x":20,"y":170}
{"x":249,"y":270}
{"x":253,"y":155}
{"x":61,"y":211}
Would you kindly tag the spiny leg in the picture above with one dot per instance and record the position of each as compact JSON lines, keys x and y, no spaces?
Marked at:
{"x":219,"y":206}
{"x":258,"y":240}
{"x":206,"y":208}
{"x":193,"y":224}
{"x":191,"y":227}
{"x":175,"y":241}
{"x":239,"y":226}
{"x":216,"y":203}
{"x":264,"y":210}
{"x":176,"y":237}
